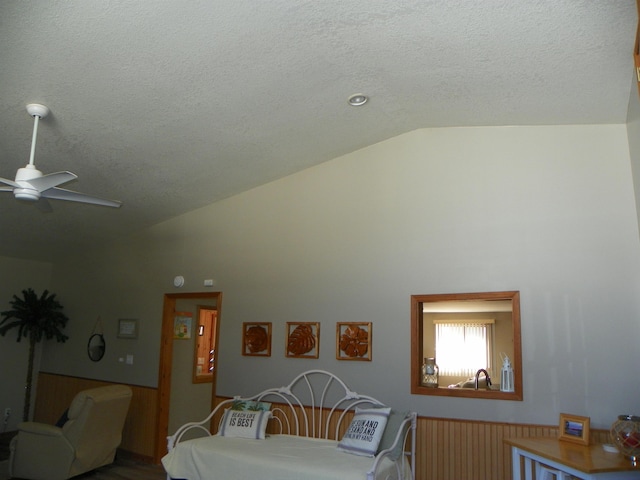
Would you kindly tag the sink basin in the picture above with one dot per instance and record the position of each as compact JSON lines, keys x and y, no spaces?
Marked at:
{"x":470,"y":385}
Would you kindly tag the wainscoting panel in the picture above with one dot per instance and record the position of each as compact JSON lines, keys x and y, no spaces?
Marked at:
{"x":449,"y":449}
{"x":55,"y":393}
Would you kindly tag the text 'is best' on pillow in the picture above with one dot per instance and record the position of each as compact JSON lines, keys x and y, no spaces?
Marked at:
{"x":244,"y":424}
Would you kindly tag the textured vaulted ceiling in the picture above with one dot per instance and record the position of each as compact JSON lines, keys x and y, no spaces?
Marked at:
{"x":172,"y":105}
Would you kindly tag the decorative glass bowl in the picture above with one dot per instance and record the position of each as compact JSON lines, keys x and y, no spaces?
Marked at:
{"x":625,"y":433}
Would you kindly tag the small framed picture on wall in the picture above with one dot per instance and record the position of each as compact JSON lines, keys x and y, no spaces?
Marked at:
{"x":127,"y":328}
{"x":182,"y":325}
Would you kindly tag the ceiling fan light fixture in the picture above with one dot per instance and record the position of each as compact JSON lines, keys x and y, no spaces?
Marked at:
{"x":27,"y":194}
{"x":358,"y":99}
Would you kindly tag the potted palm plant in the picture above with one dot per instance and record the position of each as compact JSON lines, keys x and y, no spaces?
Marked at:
{"x":35,"y":318}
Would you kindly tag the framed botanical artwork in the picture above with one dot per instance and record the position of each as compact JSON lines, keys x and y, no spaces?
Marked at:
{"x":127,"y":328}
{"x":256,"y":339}
{"x":303,"y":340}
{"x":353,"y":341}
{"x":574,"y":429}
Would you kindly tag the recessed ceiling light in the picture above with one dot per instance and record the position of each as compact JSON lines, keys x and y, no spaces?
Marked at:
{"x":358,"y":99}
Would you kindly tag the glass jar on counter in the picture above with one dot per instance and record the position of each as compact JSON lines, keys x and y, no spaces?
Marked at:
{"x":430,"y":372}
{"x":625,"y":433}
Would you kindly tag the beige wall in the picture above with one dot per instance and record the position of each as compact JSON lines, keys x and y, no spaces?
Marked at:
{"x":548,"y":210}
{"x":15,"y":276}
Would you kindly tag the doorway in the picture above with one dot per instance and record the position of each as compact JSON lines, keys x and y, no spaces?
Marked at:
{"x":204,"y":353}
{"x":172,"y":306}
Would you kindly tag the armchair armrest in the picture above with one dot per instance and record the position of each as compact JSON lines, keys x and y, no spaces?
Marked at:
{"x":55,"y":453}
{"x":40,"y":429}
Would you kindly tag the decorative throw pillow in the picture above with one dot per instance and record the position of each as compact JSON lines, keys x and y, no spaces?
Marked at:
{"x":391,"y":430}
{"x":365,"y":431}
{"x":244,"y":424}
{"x":250,"y":405}
{"x":63,"y":418}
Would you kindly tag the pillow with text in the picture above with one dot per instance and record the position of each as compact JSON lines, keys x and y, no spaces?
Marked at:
{"x":365,"y":431}
{"x":244,"y":424}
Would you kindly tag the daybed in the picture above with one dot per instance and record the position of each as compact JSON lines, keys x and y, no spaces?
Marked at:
{"x":315,"y":428}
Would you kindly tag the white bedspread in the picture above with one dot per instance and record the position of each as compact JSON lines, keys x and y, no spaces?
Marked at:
{"x":278,"y":457}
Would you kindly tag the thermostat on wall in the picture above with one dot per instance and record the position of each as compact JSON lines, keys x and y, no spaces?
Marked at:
{"x":178,"y":281}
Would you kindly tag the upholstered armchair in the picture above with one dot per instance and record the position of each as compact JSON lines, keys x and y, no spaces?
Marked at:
{"x":87,"y":440}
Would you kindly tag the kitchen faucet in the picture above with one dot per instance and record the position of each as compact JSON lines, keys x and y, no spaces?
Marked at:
{"x":486,"y":374}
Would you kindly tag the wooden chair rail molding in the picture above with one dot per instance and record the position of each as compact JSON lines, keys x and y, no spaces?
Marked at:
{"x":448,"y":449}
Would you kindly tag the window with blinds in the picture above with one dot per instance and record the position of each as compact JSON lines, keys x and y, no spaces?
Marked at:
{"x":463,"y":346}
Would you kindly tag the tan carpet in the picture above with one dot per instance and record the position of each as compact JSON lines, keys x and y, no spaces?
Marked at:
{"x":119,"y":470}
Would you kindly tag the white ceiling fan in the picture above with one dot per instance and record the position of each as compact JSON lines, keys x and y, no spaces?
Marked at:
{"x":31,"y":185}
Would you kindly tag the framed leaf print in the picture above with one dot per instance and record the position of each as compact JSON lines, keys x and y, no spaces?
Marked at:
{"x":353,"y":341}
{"x":303,"y":340}
{"x":256,"y":339}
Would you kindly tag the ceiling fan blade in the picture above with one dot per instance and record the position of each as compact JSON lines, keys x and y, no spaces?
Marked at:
{"x":11,"y":183}
{"x":52,"y":180}
{"x":70,"y":196}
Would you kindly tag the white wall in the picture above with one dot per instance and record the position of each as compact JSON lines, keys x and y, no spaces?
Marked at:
{"x":545,"y":210}
{"x":17,"y":275}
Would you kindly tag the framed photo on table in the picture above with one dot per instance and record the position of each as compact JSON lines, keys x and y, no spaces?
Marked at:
{"x":574,"y":428}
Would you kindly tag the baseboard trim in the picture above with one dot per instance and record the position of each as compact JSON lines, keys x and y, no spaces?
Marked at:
{"x":136,"y":457}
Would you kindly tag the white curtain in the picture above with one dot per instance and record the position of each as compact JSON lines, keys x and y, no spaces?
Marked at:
{"x":463,"y":348}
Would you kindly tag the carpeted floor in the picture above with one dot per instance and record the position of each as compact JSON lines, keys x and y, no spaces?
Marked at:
{"x":120,"y":470}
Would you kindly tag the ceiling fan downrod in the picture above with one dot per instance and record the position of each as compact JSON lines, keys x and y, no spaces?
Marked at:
{"x":37,"y":111}
{"x":29,"y":171}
